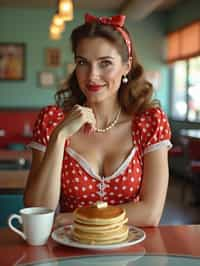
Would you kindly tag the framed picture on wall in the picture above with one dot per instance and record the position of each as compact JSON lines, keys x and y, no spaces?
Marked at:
{"x":12,"y":61}
{"x":46,"y":79}
{"x":53,"y":57}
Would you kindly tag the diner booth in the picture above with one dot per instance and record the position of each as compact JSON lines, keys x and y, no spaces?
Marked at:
{"x":15,"y":158}
{"x":166,"y":36}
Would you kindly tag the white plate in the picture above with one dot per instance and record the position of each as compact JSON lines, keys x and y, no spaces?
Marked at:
{"x":62,"y":235}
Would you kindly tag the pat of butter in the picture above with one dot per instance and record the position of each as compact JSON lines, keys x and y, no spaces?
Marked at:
{"x":101,"y":204}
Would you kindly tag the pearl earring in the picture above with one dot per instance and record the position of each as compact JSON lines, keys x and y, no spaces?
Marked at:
{"x":124,"y":79}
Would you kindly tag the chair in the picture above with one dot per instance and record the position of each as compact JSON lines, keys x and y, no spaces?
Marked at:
{"x":176,"y":151}
{"x":193,"y":168}
{"x":176,"y":158}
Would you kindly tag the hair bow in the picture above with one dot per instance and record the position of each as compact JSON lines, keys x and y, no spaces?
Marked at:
{"x":116,"y":21}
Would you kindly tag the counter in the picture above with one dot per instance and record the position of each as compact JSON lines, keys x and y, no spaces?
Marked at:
{"x":14,"y":179}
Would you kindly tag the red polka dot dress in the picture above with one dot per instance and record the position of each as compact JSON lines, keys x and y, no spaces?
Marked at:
{"x":80,"y":185}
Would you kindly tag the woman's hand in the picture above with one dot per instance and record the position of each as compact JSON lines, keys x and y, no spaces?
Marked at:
{"x":78,"y":117}
{"x":63,"y":219}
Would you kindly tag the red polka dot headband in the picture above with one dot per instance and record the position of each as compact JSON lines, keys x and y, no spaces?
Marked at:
{"x":117,"y":22}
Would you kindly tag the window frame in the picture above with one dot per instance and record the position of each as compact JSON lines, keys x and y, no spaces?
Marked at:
{"x":171,"y":82}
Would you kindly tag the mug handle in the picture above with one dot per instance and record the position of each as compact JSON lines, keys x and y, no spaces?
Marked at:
{"x":19,"y":218}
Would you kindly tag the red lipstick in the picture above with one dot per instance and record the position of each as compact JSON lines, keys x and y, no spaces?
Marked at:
{"x":94,"y":88}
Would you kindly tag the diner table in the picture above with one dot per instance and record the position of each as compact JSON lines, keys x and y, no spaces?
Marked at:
{"x":190,"y":133}
{"x":13,"y":180}
{"x":163,"y":245}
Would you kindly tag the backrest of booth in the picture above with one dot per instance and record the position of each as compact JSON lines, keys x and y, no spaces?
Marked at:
{"x":17,"y":125}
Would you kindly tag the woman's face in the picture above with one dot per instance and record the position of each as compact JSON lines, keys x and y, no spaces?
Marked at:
{"x":99,"y":69}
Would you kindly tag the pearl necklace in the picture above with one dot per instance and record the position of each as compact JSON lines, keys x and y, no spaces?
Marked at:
{"x":112,"y":124}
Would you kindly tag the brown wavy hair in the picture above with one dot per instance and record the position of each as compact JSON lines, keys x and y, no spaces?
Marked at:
{"x":134,"y":96}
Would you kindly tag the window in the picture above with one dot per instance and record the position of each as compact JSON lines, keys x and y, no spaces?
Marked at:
{"x":185,"y":93}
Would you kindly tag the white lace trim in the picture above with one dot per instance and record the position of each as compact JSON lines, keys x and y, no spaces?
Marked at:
{"x":89,"y":169}
{"x":167,"y":143}
{"x":37,"y":146}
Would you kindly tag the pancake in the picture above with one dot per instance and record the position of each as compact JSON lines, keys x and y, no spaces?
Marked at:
{"x":103,"y":215}
{"x":96,"y":228}
{"x":100,"y":224}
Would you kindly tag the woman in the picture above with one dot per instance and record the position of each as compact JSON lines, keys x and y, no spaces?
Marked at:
{"x":107,"y":140}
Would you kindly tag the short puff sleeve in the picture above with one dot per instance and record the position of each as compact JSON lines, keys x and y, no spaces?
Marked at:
{"x":49,"y":117}
{"x":154,"y":130}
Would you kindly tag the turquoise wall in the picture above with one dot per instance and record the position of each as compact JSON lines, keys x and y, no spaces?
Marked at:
{"x":31,"y":27}
{"x":149,"y":39}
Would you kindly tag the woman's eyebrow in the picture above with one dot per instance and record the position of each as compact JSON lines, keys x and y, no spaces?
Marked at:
{"x":99,"y":58}
{"x":105,"y":57}
{"x":79,"y":57}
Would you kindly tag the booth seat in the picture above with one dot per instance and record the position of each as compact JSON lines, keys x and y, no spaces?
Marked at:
{"x":17,"y":125}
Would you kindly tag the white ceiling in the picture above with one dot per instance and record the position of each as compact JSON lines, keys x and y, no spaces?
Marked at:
{"x":135,"y":9}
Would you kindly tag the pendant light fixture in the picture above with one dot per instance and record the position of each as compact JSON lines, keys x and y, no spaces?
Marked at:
{"x":64,"y":13}
{"x":54,"y":32}
{"x":58,"y":22}
{"x":66,"y":10}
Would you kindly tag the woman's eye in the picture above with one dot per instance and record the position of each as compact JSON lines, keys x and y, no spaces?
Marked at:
{"x":106,"y":63}
{"x":81,"y":62}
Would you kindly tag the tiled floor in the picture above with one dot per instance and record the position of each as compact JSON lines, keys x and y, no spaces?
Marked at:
{"x":176,"y":210}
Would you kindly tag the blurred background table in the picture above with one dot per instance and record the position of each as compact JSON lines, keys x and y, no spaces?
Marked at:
{"x":190,"y":133}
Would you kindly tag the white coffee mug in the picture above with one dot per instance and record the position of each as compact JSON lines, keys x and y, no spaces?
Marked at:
{"x":37,"y":224}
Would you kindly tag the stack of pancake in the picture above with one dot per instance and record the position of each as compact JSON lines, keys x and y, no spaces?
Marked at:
{"x":100,"y":224}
